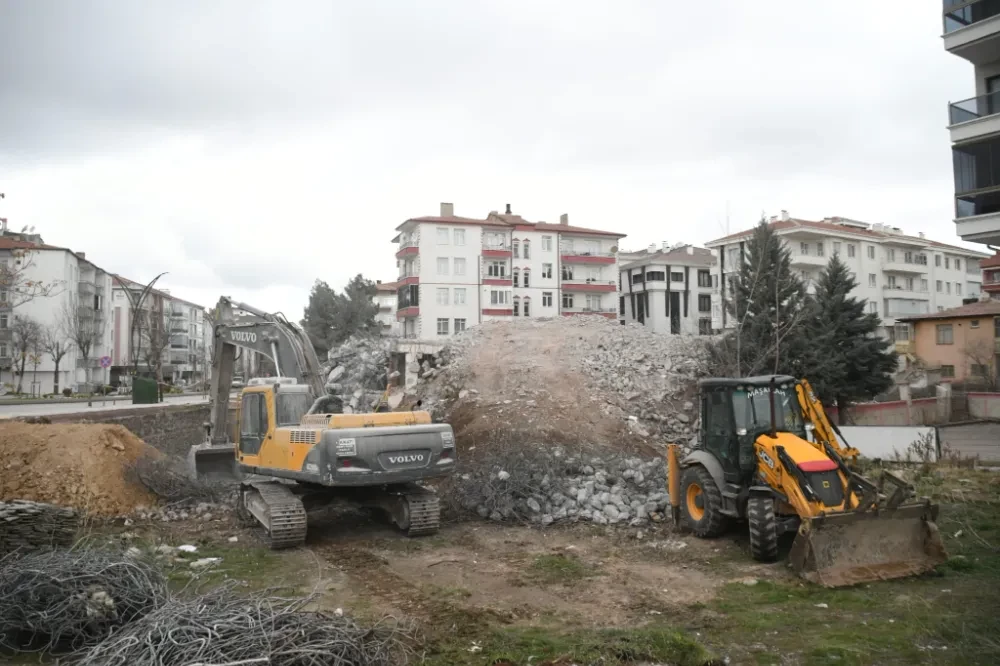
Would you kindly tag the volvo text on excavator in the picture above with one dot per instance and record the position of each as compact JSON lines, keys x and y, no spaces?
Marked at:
{"x":293,"y":451}
{"x":768,"y":455}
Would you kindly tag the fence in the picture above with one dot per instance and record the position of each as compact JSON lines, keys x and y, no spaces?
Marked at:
{"x":956,"y":407}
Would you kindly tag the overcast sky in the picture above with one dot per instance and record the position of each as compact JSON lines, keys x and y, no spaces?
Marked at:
{"x":252,"y":147}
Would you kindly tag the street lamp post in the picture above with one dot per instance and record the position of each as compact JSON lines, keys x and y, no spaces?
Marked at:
{"x":135,"y":325}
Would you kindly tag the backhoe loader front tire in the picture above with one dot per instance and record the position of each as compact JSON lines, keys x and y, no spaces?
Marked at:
{"x":701,"y":503}
{"x":763,"y":529}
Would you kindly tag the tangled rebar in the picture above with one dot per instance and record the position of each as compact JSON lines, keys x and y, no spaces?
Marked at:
{"x":221,"y":627}
{"x":169,"y":480}
{"x":62,"y":600}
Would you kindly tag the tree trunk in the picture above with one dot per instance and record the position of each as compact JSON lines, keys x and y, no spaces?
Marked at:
{"x":55,"y":378}
{"x":20,"y":374}
{"x":841,"y":411}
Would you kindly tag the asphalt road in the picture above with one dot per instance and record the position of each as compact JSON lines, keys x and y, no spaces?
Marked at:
{"x":99,"y":404}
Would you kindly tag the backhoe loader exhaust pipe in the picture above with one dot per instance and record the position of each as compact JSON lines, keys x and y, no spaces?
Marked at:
{"x":842,"y":549}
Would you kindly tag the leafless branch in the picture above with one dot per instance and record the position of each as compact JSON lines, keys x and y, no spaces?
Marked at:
{"x":17,"y":283}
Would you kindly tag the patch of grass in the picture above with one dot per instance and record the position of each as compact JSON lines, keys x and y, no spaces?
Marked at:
{"x":257,"y":567}
{"x":448,"y":592}
{"x":596,"y":646}
{"x":558,"y":569}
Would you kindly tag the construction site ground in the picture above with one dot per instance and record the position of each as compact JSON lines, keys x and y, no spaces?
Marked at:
{"x":482,"y":592}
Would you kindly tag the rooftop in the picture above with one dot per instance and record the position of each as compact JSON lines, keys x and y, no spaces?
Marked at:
{"x":980,"y":309}
{"x":132,"y":284}
{"x":508,"y":220}
{"x":387,"y":286}
{"x":697,"y":255}
{"x":876,"y":232}
{"x":12,"y":243}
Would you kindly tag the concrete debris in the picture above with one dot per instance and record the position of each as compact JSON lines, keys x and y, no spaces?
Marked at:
{"x":27,"y":526}
{"x":203,"y":511}
{"x":356,"y":372}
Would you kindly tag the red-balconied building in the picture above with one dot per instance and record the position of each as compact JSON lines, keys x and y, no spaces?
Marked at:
{"x":991,"y":276}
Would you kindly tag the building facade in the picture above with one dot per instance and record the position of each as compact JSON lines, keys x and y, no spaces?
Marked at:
{"x":182,"y":333}
{"x":385,"y":299}
{"x":456,"y":272}
{"x":670,"y":291}
{"x":962,"y":344}
{"x":972,"y":32}
{"x":53,"y":303}
{"x":991,"y":276}
{"x":897,"y":274}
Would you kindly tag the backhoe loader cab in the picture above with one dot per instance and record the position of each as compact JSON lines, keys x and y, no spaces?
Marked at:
{"x":768,"y":456}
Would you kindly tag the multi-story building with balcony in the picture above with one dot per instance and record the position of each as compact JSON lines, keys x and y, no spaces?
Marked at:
{"x":673,"y":291}
{"x":385,"y":300}
{"x":64,"y":295}
{"x":897,"y":274}
{"x":456,"y":272}
{"x":972,"y":32}
{"x":991,"y":276}
{"x":182,"y":331}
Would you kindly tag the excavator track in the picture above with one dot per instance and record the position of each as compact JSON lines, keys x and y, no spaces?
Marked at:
{"x":277,"y":511}
{"x":424,"y":510}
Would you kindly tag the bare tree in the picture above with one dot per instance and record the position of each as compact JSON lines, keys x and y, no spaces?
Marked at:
{"x":55,"y":345}
{"x":27,"y":337}
{"x":981,"y":353}
{"x":17,"y":286}
{"x":156,"y":337}
{"x":84,"y":329}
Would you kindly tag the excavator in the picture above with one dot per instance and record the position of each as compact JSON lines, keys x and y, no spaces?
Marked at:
{"x":768,"y":455}
{"x":291,"y":448}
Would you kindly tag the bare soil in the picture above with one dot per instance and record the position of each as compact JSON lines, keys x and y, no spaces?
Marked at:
{"x":78,"y":465}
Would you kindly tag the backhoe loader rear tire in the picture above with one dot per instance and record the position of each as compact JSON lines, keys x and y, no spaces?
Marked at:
{"x":763,"y":529}
{"x":701,"y":503}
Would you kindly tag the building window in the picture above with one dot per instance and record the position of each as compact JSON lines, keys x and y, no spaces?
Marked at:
{"x":734,"y":256}
{"x":704,"y":326}
{"x":872,"y":279}
{"x":516,"y":249}
{"x":527,"y":278}
{"x":676,"y":276}
{"x":656,"y":276}
{"x":873,"y":307}
{"x":922,"y":259}
{"x":517,"y":306}
{"x":937,"y":260}
{"x":547,"y":271}
{"x":567,"y":301}
{"x":593,"y":302}
{"x":819,"y":249}
{"x":836,"y":248}
{"x":546,"y":299}
{"x":947,"y":262}
{"x":871,"y":251}
{"x":974,"y":323}
{"x":459,"y":236}
{"x":442,"y":327}
{"x":638,"y":277}
{"x":3,"y":349}
{"x":546,"y":243}
{"x":499,"y":297}
{"x":958,"y":264}
{"x":3,"y":295}
{"x":460,"y":296}
{"x":704,"y":279}
{"x":890,"y":254}
{"x":527,"y":249}
{"x":924,"y":285}
{"x":496,"y":269}
{"x":947,"y":287}
{"x":704,"y":303}
{"x":948,"y":371}
{"x":891,"y":281}
{"x":909,"y":283}
{"x":516,"y":275}
{"x":459,"y":265}
{"x":901,"y":333}
{"x":4,"y":323}
{"x":442,"y":236}
{"x":803,"y":248}
{"x":958,"y":288}
{"x":979,"y":370}
{"x":939,"y":285}
{"x":442,"y":266}
{"x":442,"y":295}
{"x":527,"y":306}
{"x":850,"y":250}
{"x":945,"y":334}
{"x":567,"y":272}
{"x":907,"y":257}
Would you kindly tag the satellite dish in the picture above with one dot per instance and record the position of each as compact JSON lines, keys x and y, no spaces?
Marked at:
{"x":32,"y":229}
{"x":614,"y":248}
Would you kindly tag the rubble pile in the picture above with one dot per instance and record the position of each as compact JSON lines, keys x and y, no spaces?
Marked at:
{"x":27,"y":526}
{"x":356,"y":371}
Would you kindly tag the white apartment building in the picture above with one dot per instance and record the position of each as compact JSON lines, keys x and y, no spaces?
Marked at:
{"x":73,"y":307}
{"x":972,"y":32}
{"x":455,"y":272}
{"x":897,"y":274}
{"x":186,"y":337}
{"x":670,"y":291}
{"x":385,"y":299}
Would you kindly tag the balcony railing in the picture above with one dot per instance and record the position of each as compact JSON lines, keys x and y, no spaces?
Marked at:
{"x":974,"y":107}
{"x":584,"y":253}
{"x":891,"y":288}
{"x":593,"y":310}
{"x":86,"y":287}
{"x":408,"y":242}
{"x":960,"y":14}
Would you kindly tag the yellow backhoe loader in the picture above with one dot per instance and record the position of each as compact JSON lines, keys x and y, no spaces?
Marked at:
{"x":292,"y":449}
{"x":769,"y":455}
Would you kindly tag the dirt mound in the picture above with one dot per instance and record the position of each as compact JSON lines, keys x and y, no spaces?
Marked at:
{"x":82,"y":465}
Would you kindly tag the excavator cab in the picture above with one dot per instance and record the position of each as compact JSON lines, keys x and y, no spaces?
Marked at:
{"x":761,"y":459}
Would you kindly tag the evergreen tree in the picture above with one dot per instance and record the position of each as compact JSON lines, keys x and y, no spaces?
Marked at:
{"x":320,"y":315}
{"x":767,"y":305}
{"x":330,"y":318}
{"x":852,"y":361}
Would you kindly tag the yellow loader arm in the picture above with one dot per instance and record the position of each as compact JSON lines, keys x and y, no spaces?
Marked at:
{"x":824,"y":431}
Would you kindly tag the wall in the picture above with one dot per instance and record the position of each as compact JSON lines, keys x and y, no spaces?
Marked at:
{"x":925,"y":411}
{"x":171,"y":429}
{"x":984,"y":405}
{"x":964,"y":339}
{"x":534,"y":264}
{"x":971,"y":440}
{"x":430,"y":280}
{"x":886,"y":442}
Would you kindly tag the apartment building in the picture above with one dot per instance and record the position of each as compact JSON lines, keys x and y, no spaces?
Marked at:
{"x":960,"y":343}
{"x":991,"y":276}
{"x":68,"y":309}
{"x":972,"y":32}
{"x":182,"y":332}
{"x":670,"y":291}
{"x":898,"y":274}
{"x":385,"y":299}
{"x":456,"y":272}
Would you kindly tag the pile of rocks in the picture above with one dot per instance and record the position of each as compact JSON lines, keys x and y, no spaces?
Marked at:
{"x":26,"y":526}
{"x":356,"y":371}
{"x":198,"y":511}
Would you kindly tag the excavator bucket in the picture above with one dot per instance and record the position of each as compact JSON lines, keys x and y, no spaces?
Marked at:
{"x":212,"y":462}
{"x":836,"y":550}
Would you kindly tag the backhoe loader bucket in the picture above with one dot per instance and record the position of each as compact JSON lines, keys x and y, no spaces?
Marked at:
{"x":848,"y":548}
{"x":212,"y":462}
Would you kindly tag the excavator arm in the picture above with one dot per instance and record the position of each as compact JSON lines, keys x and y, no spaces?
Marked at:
{"x":824,"y":430}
